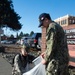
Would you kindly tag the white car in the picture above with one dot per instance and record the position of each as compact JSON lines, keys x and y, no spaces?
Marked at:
{"x":6,"y":42}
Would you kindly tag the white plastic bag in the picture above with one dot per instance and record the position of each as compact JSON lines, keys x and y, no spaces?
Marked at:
{"x":37,"y":60}
{"x":39,"y":68}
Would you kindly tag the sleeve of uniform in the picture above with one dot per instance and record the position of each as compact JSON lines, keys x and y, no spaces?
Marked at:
{"x":17,"y":63}
{"x":49,"y":42}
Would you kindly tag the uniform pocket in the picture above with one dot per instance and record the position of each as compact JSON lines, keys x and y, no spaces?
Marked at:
{"x":52,"y":66}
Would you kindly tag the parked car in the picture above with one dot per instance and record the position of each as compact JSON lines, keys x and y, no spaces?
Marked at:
{"x":34,"y":42}
{"x":6,"y":42}
{"x":25,"y":40}
{"x":39,"y":42}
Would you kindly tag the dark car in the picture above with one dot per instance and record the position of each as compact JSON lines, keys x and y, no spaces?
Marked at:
{"x":34,"y":42}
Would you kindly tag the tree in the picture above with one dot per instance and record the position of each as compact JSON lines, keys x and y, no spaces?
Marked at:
{"x":17,"y":35}
{"x":8,"y":17}
{"x":31,"y":33}
{"x":26,"y":34}
{"x":12,"y":36}
{"x":21,"y":34}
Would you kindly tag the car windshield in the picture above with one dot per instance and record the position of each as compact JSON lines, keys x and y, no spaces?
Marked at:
{"x":36,"y":34}
{"x":33,"y":35}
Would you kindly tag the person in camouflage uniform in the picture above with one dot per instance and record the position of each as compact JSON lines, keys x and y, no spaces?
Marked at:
{"x":20,"y":61}
{"x":56,"y":56}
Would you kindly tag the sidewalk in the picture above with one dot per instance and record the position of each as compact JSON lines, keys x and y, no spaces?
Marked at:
{"x":5,"y":67}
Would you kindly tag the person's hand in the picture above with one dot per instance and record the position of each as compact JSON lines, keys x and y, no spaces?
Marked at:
{"x":43,"y":61}
{"x":43,"y":54}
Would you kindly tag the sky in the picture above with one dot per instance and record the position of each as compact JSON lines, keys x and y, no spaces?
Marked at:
{"x":29,"y":11}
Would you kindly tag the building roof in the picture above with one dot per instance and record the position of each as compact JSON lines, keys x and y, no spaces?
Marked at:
{"x":66,"y":16}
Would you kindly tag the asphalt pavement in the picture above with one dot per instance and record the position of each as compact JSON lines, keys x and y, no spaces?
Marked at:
{"x":5,"y":67}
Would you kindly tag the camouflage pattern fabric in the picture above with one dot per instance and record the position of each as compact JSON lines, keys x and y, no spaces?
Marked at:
{"x":56,"y":50}
{"x":20,"y":63}
{"x":72,"y":71}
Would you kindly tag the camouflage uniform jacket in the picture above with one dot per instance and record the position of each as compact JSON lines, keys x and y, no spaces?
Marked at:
{"x":20,"y":63}
{"x":56,"y":44}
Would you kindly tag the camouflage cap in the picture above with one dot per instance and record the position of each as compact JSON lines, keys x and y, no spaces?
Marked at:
{"x":23,"y":46}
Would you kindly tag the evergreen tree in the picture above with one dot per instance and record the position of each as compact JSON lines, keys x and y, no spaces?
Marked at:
{"x":21,"y":34}
{"x":8,"y":17}
{"x":11,"y":36}
{"x":31,"y":33}
{"x":26,"y":34}
{"x":17,"y":35}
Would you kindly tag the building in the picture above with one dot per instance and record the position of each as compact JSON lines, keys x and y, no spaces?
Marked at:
{"x":66,"y":20}
{"x":68,"y":24}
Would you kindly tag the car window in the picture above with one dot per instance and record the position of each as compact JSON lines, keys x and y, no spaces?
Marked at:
{"x":33,"y":35}
{"x":39,"y":35}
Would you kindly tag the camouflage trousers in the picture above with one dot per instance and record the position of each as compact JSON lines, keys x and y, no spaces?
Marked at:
{"x":15,"y":72}
{"x":53,"y":68}
{"x":50,"y":73}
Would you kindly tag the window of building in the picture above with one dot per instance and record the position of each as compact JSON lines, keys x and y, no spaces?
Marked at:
{"x":70,"y":21}
{"x":73,"y":21}
{"x":58,"y":22}
{"x":63,"y":22}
